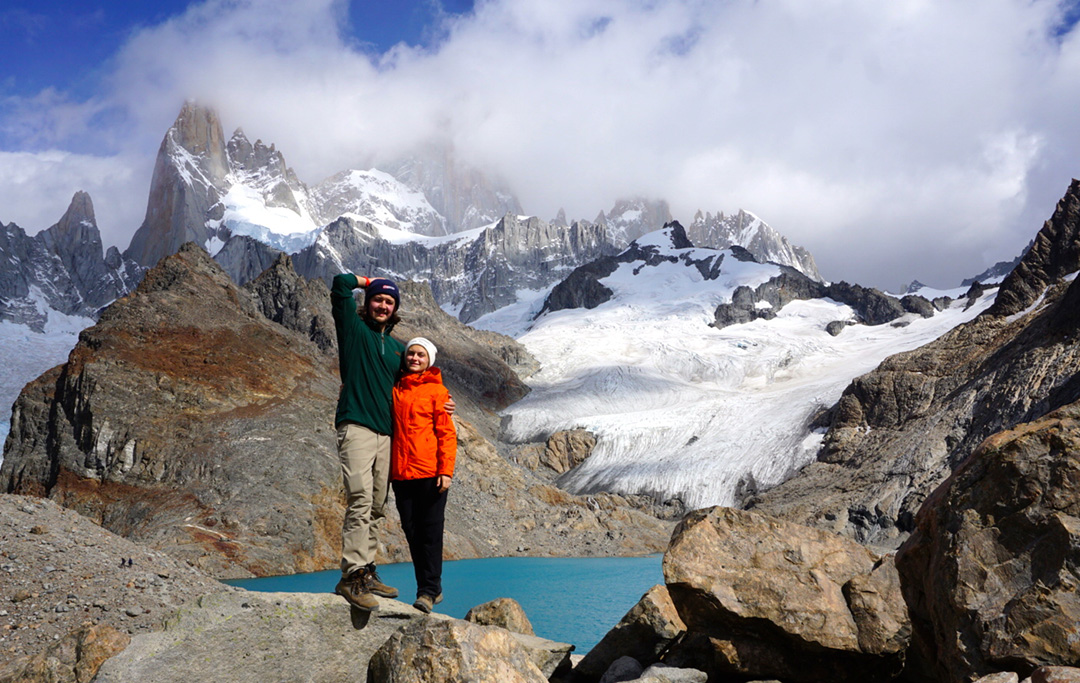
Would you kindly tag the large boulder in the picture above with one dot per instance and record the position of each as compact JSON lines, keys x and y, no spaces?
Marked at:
{"x":443,"y":651}
{"x":502,"y":612}
{"x":990,"y":572}
{"x":765,"y":598}
{"x":643,"y":633}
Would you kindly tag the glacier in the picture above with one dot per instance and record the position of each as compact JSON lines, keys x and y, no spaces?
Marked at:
{"x":682,"y":409}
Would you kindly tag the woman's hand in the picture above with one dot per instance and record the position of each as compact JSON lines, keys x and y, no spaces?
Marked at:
{"x":442,"y":482}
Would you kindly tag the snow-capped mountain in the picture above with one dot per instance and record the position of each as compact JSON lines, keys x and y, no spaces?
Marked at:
{"x":61,"y":269}
{"x":629,"y":219}
{"x":471,"y":273}
{"x":682,"y":408}
{"x":746,"y":230}
{"x":380,"y":199}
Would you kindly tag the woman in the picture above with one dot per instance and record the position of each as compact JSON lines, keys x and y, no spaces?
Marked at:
{"x":422,"y":465}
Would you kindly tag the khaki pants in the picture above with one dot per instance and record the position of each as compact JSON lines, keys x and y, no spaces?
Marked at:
{"x":365,"y":467}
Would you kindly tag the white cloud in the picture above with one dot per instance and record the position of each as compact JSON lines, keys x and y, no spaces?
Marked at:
{"x":910,"y":139}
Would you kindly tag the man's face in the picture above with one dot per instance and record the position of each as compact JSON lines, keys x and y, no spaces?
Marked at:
{"x":380,"y":307}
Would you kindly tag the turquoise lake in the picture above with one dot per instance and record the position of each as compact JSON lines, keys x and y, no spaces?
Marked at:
{"x":571,"y":600}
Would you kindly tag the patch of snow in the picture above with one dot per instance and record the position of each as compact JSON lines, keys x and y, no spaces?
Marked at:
{"x":246,"y":213}
{"x":28,"y":354}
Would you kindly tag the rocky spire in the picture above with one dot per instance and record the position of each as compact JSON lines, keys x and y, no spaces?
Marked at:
{"x":189,"y":179}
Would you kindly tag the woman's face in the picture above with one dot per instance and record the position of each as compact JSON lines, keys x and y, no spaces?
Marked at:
{"x":416,"y":358}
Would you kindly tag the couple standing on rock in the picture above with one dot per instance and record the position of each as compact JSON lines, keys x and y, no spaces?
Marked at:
{"x":393,"y":426}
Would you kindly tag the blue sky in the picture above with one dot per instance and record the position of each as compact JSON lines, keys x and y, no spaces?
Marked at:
{"x":910,"y":139}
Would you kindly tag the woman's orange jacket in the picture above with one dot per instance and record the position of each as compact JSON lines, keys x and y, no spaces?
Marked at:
{"x":425,"y":442}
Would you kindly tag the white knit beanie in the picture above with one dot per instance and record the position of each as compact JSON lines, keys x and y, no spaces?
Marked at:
{"x":428,"y":346}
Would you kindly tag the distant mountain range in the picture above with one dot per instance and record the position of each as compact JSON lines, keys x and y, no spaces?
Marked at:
{"x":427,"y":217}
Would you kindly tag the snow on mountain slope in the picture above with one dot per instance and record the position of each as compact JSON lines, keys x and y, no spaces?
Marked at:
{"x":683,"y":409}
{"x":247,"y":213}
{"x":380,"y":198}
{"x":28,"y":354}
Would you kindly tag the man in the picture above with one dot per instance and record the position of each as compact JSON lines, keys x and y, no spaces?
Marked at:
{"x":368,"y":359}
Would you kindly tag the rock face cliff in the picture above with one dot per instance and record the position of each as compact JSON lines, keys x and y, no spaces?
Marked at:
{"x":62,"y":268}
{"x":189,"y":420}
{"x":474,"y":274}
{"x":899,"y":431}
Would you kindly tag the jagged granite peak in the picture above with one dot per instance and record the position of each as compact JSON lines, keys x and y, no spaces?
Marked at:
{"x":524,"y":253}
{"x":295,"y":302}
{"x":60,"y":269}
{"x":631,"y":218}
{"x":185,"y":190}
{"x":264,"y":169}
{"x":461,"y":193}
{"x":758,"y":237}
{"x":560,"y":218}
{"x":380,"y":198}
{"x":1054,"y":254}
{"x":472,"y":274}
{"x":75,"y":239}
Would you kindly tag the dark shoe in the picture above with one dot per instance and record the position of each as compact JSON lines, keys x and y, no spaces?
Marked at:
{"x":424,"y":603}
{"x":378,"y":587}
{"x":355,"y":590}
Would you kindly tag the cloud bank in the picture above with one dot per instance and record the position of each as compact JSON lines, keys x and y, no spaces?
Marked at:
{"x":901,"y":140}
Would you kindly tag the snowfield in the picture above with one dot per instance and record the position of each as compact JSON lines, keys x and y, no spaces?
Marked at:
{"x":683,"y":409}
{"x":28,"y":354}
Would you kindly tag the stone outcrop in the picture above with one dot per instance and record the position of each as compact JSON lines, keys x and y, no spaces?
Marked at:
{"x":898,"y":432}
{"x":502,"y":612}
{"x":762,"y":598}
{"x":630,"y":218}
{"x":1054,"y":254}
{"x":566,"y":450}
{"x":295,"y":303}
{"x":645,"y":633}
{"x":75,"y":658}
{"x":251,"y":637}
{"x":245,"y":258}
{"x":444,"y":651}
{"x":190,"y":421}
{"x":990,"y":569}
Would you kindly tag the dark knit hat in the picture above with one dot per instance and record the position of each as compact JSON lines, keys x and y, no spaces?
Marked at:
{"x":383,"y":286}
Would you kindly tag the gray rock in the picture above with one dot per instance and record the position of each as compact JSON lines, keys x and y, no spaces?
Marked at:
{"x":1054,"y":254}
{"x":502,"y":612}
{"x":437,"y":651}
{"x":241,"y":636}
{"x":662,"y":673}
{"x":624,"y":668}
{"x":999,"y":677}
{"x":988,"y":573}
{"x":644,"y":633}
{"x":765,"y":598}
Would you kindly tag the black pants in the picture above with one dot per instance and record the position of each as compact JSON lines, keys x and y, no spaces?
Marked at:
{"x":423,"y":509}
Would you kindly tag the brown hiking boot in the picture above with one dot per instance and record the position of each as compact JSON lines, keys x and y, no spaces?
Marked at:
{"x":376,"y":586}
{"x":355,"y":590}
{"x":424,"y":603}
